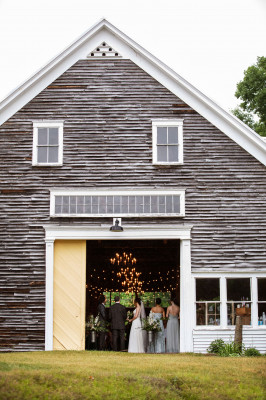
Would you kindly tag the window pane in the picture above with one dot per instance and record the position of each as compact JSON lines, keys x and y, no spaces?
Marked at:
{"x":132,"y":204}
{"x":173,"y":153}
{"x":139,"y":204}
{"x":42,"y":136}
{"x":58,"y":200}
{"x":238,"y":288}
{"x":110,"y":204}
{"x":42,"y":154}
{"x":208,"y":313}
{"x":147,"y":204}
{"x":58,"y":209}
{"x":52,"y":154}
{"x":117,"y":204}
{"x":87,"y":207}
{"x":80,"y":209}
{"x":73,"y":200}
{"x":161,"y":204}
{"x":80,"y":200}
{"x":125,"y":204}
{"x":262,"y":313}
{"x":201,"y":314}
{"x":262,"y":289}
{"x":161,"y":135}
{"x":241,"y":309}
{"x":161,"y":153}
{"x":169,"y":208}
{"x":94,"y":207}
{"x":65,"y":207}
{"x":102,"y":205}
{"x":53,"y":136}
{"x":173,"y":135}
{"x":154,"y":204}
{"x":176,"y":204}
{"x":207,"y":289}
{"x":73,"y":207}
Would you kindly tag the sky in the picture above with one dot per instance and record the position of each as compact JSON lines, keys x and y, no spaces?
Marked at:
{"x":208,"y":42}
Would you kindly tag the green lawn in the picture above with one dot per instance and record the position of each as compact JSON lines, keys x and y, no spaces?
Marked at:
{"x":107,"y":375}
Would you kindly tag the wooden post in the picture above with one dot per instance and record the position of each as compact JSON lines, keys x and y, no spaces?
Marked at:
{"x":238,"y":330}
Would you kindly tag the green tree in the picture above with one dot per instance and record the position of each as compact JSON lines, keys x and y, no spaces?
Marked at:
{"x":252,"y":93}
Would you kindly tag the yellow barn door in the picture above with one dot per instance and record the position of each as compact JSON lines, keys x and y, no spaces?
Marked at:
{"x":69,"y":294}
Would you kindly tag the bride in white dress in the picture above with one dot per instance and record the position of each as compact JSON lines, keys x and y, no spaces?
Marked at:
{"x":137,"y":335}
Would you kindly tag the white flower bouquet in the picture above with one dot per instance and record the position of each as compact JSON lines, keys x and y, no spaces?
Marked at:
{"x":150,"y":324}
{"x":94,"y":324}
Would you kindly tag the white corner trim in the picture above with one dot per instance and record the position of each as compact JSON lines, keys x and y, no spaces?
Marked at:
{"x":49,"y":291}
{"x":186,"y":298}
{"x":104,"y":31}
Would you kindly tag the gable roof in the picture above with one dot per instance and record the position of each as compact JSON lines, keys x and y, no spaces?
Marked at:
{"x":104,"y":31}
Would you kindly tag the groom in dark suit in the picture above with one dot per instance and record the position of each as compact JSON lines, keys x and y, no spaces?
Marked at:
{"x":118,"y":316}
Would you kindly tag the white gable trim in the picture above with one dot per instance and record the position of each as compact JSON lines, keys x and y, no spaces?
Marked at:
{"x":104,"y":31}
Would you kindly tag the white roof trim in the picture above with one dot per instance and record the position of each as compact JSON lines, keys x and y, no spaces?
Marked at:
{"x":104,"y":31}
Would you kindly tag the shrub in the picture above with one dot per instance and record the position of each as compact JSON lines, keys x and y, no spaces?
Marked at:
{"x":252,"y":352}
{"x":216,"y":346}
{"x":223,"y":349}
{"x":231,"y":349}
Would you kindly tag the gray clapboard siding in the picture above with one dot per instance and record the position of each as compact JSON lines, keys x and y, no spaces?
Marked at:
{"x":107,"y":106}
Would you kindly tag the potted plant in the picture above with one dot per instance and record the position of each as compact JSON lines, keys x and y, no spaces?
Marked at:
{"x":94,"y":326}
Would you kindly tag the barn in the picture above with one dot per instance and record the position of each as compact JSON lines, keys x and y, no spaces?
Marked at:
{"x":107,"y":136}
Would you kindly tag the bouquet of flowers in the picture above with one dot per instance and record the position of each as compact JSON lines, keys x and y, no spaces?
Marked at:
{"x":94,"y":324}
{"x":129,"y":316}
{"x":150,"y":324}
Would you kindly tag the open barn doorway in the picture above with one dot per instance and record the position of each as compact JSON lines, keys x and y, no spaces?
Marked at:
{"x":155,"y":264}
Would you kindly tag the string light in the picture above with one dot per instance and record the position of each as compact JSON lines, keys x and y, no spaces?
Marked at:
{"x":128,"y":279}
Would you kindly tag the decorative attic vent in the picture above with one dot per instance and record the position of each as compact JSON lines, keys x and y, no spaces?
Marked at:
{"x":104,"y":50}
{"x":122,"y":203}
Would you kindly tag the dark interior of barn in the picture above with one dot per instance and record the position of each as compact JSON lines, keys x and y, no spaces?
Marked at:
{"x":154,"y":268}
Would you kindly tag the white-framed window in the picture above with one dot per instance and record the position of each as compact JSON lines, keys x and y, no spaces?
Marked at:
{"x":208,"y":301}
{"x":238,"y":300}
{"x":47,"y":143}
{"x":167,"y":141}
{"x":117,"y":203}
{"x":220,"y":297}
{"x":262,"y":301}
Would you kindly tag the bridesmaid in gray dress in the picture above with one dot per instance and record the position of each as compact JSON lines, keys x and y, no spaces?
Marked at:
{"x":172,"y":331}
{"x":159,"y":339}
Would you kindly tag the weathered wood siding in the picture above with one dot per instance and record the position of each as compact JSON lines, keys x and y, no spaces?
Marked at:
{"x":107,"y":106}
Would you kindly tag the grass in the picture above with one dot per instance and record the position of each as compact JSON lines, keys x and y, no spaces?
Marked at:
{"x":73,"y":375}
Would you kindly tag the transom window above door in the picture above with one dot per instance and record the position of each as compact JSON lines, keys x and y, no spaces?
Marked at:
{"x":117,"y":203}
{"x":47,"y":143}
{"x":167,"y":139}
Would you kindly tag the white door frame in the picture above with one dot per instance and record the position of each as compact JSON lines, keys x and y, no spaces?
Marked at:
{"x":131,"y":232}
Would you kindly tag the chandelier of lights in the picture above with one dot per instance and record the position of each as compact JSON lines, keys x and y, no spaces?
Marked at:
{"x":130,"y":277}
{"x":131,"y":283}
{"x":125,"y":259}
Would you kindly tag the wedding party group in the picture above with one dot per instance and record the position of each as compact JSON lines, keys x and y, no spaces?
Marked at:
{"x":157,"y":333}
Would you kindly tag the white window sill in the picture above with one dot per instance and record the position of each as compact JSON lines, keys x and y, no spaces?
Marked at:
{"x":170,"y":164}
{"x":48,"y":165}
{"x":230,"y":328}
